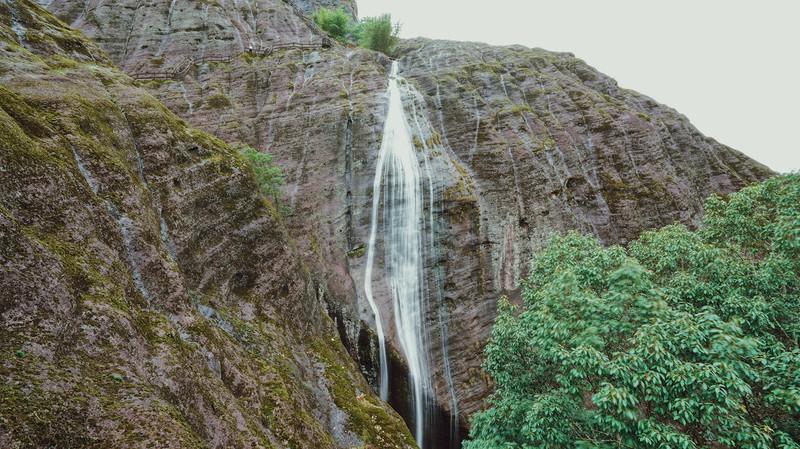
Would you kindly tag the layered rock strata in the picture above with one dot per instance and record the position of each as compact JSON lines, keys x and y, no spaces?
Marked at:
{"x":524,"y":142}
{"x":150,"y":295}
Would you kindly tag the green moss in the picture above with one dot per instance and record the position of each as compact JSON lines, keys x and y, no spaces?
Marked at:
{"x":482,"y":67}
{"x":92,"y":126}
{"x":218,"y":101}
{"x":615,"y":189}
{"x":418,"y":144}
{"x":77,"y":386}
{"x":249,"y":58}
{"x":153,"y":85}
{"x":60,"y":62}
{"x":212,"y":143}
{"x":74,"y":262}
{"x":20,"y":151}
{"x":519,"y":109}
{"x":148,"y":115}
{"x":368,"y":417}
{"x":282,"y":401}
{"x":277,"y":393}
{"x":313,"y":242}
{"x":512,"y":109}
{"x":31,"y":413}
{"x":31,"y":121}
{"x":155,"y":328}
{"x":42,"y":30}
{"x":357,"y":252}
{"x":463,"y":190}
{"x":544,"y":145}
{"x":60,"y":415}
{"x":434,"y":140}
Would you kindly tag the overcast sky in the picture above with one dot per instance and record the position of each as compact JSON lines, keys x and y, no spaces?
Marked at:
{"x":731,"y":66}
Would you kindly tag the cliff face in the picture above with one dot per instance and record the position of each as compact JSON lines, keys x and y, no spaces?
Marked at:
{"x":148,"y":37}
{"x":522,"y":143}
{"x":150,"y":295}
{"x":549,"y":144}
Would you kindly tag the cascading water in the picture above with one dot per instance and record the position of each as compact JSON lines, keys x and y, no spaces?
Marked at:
{"x":384,"y":365}
{"x":398,"y":171}
{"x":442,"y":315}
{"x":401,"y":184}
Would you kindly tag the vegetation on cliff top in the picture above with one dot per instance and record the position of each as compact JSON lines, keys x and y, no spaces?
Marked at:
{"x":378,"y":33}
{"x":683,"y":340}
{"x":375,"y":33}
{"x":336,"y":22}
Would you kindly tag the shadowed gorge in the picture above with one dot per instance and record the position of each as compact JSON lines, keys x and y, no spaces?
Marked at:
{"x":155,"y":295}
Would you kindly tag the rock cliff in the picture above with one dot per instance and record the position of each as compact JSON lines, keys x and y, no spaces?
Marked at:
{"x":549,"y":144}
{"x":522,"y":143}
{"x":151,"y":296}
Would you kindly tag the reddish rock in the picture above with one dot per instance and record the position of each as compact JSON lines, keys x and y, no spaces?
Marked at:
{"x":527,"y":143}
{"x":151,"y":297}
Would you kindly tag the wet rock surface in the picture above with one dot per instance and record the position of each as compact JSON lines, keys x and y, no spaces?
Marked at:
{"x":549,"y":144}
{"x":151,"y":296}
{"x":150,"y":37}
{"x":522,"y":142}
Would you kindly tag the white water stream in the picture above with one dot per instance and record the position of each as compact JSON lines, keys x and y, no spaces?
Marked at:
{"x":398,"y":172}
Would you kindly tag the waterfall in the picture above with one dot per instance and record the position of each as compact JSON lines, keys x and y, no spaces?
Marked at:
{"x":442,"y":314}
{"x":398,"y":171}
{"x":384,"y":365}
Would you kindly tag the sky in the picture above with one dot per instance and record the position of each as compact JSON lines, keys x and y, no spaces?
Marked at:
{"x":731,"y":66}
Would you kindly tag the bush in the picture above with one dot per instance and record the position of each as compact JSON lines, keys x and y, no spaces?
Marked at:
{"x":378,"y":33}
{"x":218,"y":101}
{"x":268,"y":175}
{"x":336,"y":22}
{"x":375,"y":33}
{"x":684,"y":340}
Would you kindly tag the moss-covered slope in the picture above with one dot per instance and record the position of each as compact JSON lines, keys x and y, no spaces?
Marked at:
{"x":150,"y":297}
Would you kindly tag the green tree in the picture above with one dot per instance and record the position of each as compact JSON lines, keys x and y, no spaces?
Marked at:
{"x":336,"y":22}
{"x":378,"y":33}
{"x":268,"y":175}
{"x":683,"y":340}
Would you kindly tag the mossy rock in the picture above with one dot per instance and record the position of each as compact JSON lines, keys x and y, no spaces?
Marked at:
{"x":218,"y":101}
{"x":368,"y":417}
{"x":357,"y":251}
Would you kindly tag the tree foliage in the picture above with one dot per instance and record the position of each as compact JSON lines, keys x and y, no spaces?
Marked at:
{"x":268,"y":175}
{"x":683,"y":340}
{"x":378,"y":33}
{"x":336,"y":22}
